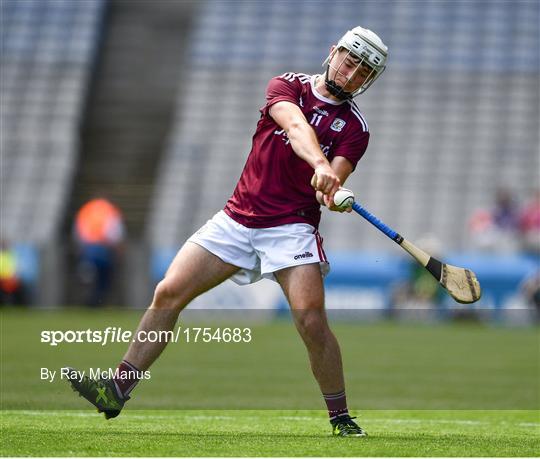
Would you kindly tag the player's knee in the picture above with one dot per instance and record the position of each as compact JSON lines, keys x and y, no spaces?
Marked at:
{"x":312,"y":325}
{"x":168,"y":295}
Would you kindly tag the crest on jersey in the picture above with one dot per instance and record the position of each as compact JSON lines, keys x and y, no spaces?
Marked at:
{"x":337,"y":125}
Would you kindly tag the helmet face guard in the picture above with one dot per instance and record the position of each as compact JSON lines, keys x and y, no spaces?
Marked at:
{"x":366,"y":50}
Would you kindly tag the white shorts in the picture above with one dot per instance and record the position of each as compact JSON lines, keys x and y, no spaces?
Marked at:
{"x":260,"y":252}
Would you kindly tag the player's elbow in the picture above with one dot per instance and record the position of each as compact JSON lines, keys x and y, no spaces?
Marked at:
{"x":297,"y":129}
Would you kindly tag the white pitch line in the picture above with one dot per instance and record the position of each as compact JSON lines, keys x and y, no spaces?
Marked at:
{"x":50,"y":412}
{"x":298,"y":418}
{"x":452,"y":421}
{"x":89,"y":414}
{"x":202,"y":417}
{"x":429,"y":421}
{"x":529,"y":424}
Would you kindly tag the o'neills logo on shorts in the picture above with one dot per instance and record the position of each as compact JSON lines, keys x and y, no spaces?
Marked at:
{"x":303,"y":255}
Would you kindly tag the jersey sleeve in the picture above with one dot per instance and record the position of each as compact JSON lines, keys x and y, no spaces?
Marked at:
{"x":280,"y":89}
{"x":353,"y":147}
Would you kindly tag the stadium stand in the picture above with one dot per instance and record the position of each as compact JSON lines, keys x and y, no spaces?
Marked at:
{"x":48,"y":48}
{"x":454,"y":116}
{"x":130,"y":105}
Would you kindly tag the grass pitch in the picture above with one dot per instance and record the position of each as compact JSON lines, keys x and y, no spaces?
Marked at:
{"x":419,"y":390}
{"x":268,"y":433}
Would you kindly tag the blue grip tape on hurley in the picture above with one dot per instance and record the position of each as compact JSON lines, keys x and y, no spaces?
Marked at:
{"x":375,"y":221}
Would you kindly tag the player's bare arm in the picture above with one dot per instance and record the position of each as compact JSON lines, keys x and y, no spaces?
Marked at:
{"x":305,"y":144}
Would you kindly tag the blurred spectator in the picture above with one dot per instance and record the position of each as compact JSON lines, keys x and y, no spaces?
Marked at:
{"x":530,"y":289}
{"x":11,"y":286}
{"x":529,"y":225}
{"x":99,"y":234}
{"x":497,"y":229}
{"x":421,"y":292}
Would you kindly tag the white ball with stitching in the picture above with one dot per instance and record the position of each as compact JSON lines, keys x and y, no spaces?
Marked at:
{"x":343,"y":198}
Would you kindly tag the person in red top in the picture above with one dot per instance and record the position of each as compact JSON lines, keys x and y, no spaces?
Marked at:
{"x":99,"y":232}
{"x":308,"y":140}
{"x":529,"y":223}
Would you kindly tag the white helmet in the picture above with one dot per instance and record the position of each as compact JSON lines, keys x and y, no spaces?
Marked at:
{"x":366,"y":46}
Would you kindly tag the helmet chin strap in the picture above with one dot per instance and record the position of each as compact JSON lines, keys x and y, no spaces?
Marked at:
{"x":335,"y":89}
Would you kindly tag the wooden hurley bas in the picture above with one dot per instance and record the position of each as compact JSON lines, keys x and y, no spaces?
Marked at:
{"x":462,"y":284}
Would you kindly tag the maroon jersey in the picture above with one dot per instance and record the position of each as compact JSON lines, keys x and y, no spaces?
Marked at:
{"x":274,"y":188}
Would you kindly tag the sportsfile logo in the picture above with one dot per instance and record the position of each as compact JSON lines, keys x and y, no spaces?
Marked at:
{"x":303,"y":255}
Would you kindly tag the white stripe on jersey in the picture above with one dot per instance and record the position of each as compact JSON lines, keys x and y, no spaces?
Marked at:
{"x":356,"y":111}
{"x":291,"y":76}
{"x":304,"y":78}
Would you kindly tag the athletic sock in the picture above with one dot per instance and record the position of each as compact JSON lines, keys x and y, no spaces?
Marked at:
{"x":337,"y":404}
{"x":126,"y":378}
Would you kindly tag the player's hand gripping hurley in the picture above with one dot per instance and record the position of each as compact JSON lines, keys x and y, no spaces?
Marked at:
{"x":460,"y":283}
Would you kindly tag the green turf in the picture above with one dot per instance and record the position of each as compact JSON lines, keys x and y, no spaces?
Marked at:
{"x":387,"y":366}
{"x":424,"y":390}
{"x":269,"y":433}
